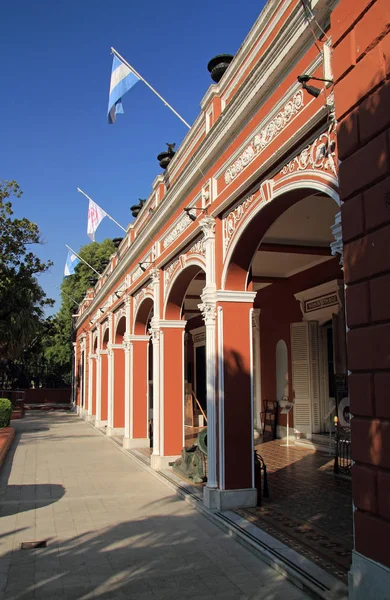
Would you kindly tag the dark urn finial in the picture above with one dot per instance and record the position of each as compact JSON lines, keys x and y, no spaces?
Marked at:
{"x":136,"y":208}
{"x":218,"y":65}
{"x":165,"y":158}
{"x":92,"y":280}
{"x":117,"y":242}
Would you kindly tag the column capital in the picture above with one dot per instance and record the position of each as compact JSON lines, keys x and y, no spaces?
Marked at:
{"x":127,"y":301}
{"x":207,"y":224}
{"x":155,"y":275}
{"x":209,"y":312}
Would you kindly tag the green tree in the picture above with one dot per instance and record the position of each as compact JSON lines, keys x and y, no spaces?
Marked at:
{"x":22,"y":300}
{"x":59,"y":347}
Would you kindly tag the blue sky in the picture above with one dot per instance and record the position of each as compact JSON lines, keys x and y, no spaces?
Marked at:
{"x":55,"y":71}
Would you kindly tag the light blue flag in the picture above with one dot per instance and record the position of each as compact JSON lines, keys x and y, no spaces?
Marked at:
{"x":122,"y":79}
{"x":70,"y":264}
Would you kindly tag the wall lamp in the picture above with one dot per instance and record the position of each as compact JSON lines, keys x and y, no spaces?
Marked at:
{"x":144,"y":262}
{"x":188,"y":208}
{"x":102,"y":310}
{"x":311,"y":89}
{"x":117,"y":294}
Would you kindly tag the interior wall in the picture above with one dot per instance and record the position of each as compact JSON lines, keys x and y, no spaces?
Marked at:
{"x":279,"y":309}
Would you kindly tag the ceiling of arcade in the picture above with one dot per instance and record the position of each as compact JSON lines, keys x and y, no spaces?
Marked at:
{"x":298,"y":240}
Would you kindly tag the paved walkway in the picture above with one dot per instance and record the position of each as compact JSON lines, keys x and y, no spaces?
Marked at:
{"x":112,"y":529}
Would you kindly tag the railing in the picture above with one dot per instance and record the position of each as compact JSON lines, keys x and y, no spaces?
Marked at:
{"x":342,"y":458}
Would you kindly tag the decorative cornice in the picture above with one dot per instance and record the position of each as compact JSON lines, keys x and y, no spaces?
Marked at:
{"x":337,"y":247}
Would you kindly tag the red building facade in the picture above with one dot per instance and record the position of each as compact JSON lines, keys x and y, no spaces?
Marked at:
{"x":241,"y":296}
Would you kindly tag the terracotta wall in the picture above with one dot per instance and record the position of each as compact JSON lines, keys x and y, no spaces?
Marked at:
{"x":361,"y":59}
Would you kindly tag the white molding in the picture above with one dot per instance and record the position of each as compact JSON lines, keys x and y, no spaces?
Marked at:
{"x":138,"y":338}
{"x":235,"y":296}
{"x":329,"y":296}
{"x":166,"y":324}
{"x":298,"y":184}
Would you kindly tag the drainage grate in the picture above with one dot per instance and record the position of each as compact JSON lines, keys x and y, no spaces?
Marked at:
{"x":32,"y":545}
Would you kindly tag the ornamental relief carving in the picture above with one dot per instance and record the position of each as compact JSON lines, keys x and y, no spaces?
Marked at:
{"x":265,"y":136}
{"x":231,"y":222}
{"x":137,"y":299}
{"x":170,"y":271}
{"x":320,"y":154}
{"x":177,"y":230}
{"x":198,"y":249}
{"x":118,"y":315}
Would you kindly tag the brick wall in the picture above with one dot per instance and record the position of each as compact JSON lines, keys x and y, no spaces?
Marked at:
{"x":361,"y":59}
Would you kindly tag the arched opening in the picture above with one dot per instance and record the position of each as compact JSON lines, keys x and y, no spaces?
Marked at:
{"x":184,"y":297}
{"x":93,"y":376}
{"x":118,"y":366}
{"x":283,"y":254}
{"x":143,"y":372}
{"x":104,"y":378}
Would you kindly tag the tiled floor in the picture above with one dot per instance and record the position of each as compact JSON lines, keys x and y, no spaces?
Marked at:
{"x":112,"y":529}
{"x":309,"y":508}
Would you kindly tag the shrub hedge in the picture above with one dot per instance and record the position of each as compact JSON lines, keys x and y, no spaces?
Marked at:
{"x":5,"y":412}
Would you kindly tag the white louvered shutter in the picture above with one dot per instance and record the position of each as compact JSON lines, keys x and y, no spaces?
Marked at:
{"x":300,"y":359}
{"x":315,"y":376}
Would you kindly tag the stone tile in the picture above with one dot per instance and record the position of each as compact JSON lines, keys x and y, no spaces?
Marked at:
{"x":117,"y":532}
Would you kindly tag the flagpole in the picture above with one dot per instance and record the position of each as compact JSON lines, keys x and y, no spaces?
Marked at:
{"x":109,"y":216}
{"x":84,"y":261}
{"x":70,"y":297}
{"x":150,"y":87}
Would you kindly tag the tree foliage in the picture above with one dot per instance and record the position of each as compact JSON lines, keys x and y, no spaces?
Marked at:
{"x":59,"y":349}
{"x":22,"y":300}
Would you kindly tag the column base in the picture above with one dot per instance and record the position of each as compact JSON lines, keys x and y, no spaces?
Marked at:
{"x":100,"y":424}
{"x":91,"y":418}
{"x":158,"y":462}
{"x":367,"y":579}
{"x":129,"y":443}
{"x":115,"y":431}
{"x":216,"y":499}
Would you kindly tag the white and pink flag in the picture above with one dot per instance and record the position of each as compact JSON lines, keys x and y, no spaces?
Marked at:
{"x":95,"y":216}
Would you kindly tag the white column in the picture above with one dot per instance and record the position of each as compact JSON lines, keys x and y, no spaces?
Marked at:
{"x":98,"y":388}
{"x":256,"y":367}
{"x":128,"y":368}
{"x":110,"y":375}
{"x":155,"y":335}
{"x":208,"y":310}
{"x":110,"y":392}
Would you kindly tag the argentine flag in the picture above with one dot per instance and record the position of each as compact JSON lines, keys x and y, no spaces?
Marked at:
{"x":122,"y":79}
{"x":70,"y":264}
